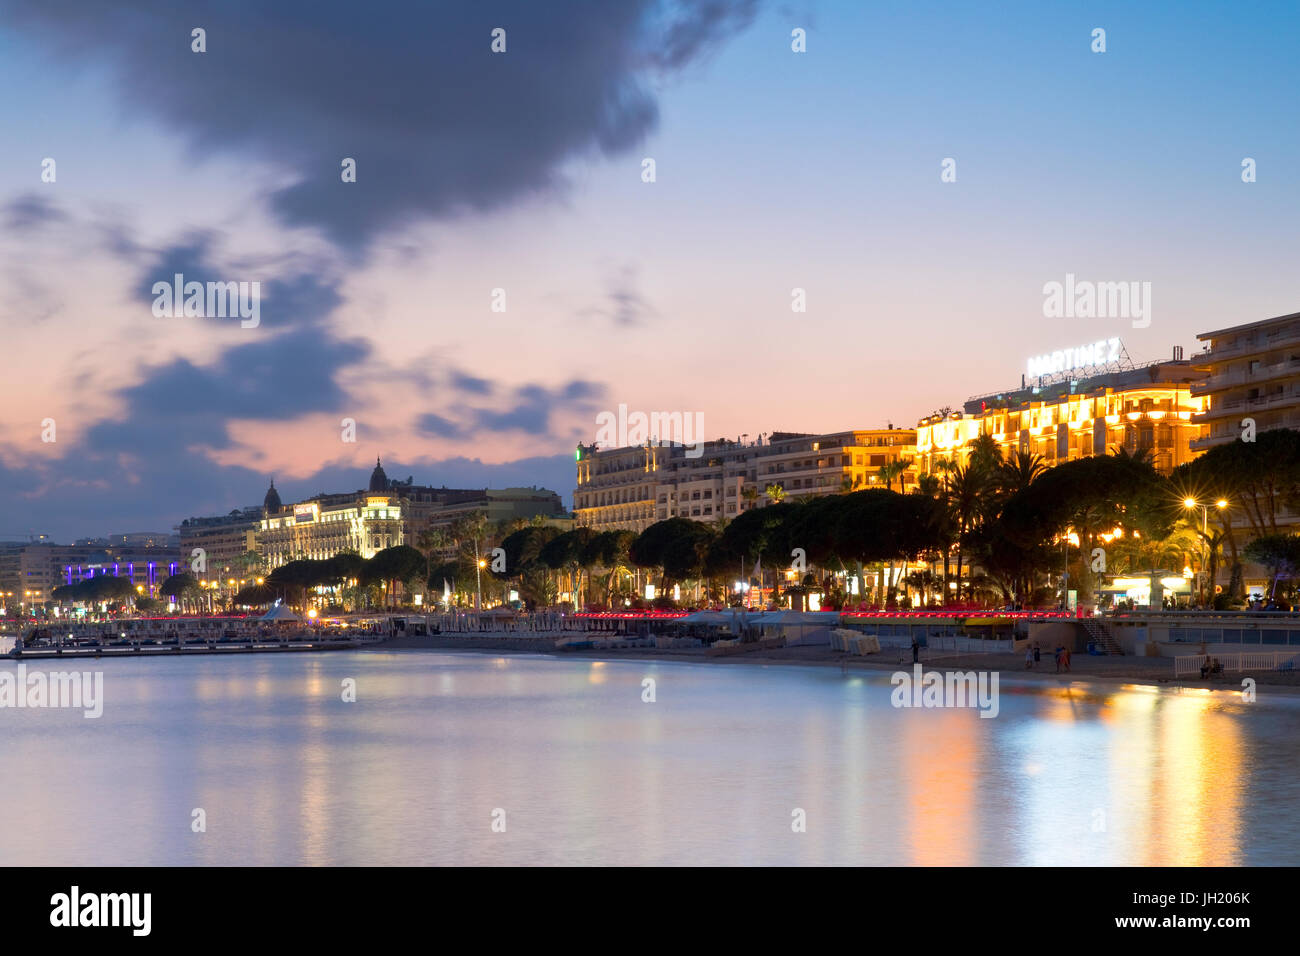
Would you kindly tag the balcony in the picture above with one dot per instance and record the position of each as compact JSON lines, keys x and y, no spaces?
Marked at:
{"x":1252,"y":343}
{"x":1245,"y":406}
{"x":1265,"y":373}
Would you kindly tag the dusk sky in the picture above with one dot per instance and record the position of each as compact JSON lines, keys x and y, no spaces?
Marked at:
{"x":522,"y":171}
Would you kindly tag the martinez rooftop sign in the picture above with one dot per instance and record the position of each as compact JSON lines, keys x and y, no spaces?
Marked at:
{"x":1101,"y":352}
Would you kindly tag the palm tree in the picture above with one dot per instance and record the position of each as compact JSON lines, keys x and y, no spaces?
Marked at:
{"x":984,"y":453}
{"x":1139,"y":456}
{"x":431,"y":541}
{"x":470,"y":529}
{"x":890,"y":471}
{"x":965,"y":503}
{"x":750,"y":494}
{"x":1020,"y":471}
{"x":775,"y":493}
{"x":895,"y":469}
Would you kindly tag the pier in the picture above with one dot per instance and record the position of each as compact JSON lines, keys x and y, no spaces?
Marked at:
{"x":172,"y":649}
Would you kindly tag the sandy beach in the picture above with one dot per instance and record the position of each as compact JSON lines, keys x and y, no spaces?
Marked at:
{"x":1155,"y":671}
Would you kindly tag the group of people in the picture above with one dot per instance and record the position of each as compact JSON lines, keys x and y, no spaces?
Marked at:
{"x":1033,"y":657}
{"x":1211,"y":668}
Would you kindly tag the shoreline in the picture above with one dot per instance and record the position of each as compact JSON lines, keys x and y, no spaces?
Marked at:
{"x":1149,"y":671}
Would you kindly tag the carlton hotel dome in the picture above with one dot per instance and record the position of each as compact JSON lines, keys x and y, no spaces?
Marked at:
{"x":271,"y":503}
{"x":378,"y":480}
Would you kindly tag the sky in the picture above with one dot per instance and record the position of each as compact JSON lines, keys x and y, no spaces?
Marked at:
{"x":524,"y":171}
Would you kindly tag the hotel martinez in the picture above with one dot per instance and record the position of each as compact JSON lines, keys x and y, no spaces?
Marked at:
{"x":635,"y":486}
{"x":1155,"y":406}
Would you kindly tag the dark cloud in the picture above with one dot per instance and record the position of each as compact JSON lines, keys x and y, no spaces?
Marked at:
{"x":532,"y":409}
{"x":293,"y":377}
{"x":298,"y":299}
{"x":439,"y":427}
{"x":189,"y":258}
{"x":624,"y":305}
{"x":533,"y":406}
{"x":437,"y":122}
{"x":29,"y":212}
{"x":468,"y":383}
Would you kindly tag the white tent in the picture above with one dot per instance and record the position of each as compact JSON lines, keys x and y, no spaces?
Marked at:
{"x":707,"y":617}
{"x":280,"y":613}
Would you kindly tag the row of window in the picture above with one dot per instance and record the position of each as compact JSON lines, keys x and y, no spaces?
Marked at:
{"x":1232,"y":635}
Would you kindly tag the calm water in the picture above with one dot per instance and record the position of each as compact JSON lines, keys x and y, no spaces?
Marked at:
{"x":589,"y":774}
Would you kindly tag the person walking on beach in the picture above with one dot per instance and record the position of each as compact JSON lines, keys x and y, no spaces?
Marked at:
{"x":916,"y":651}
{"x":1065,"y":657}
{"x":1059,"y":650}
{"x":1029,"y":657}
{"x":1035,"y":653}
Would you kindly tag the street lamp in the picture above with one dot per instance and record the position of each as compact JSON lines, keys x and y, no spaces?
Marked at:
{"x":478,"y":585}
{"x":1190,"y":504}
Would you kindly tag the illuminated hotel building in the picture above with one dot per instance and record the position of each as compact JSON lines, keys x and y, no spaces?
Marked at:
{"x":1153,"y":406}
{"x":633,"y":487}
{"x":388,"y":513}
{"x":365,"y":522}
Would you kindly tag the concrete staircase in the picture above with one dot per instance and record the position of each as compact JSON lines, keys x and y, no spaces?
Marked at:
{"x":1100,"y":635}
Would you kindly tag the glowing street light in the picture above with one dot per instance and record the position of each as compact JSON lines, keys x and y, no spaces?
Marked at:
{"x":478,"y":583}
{"x":1192,"y":503}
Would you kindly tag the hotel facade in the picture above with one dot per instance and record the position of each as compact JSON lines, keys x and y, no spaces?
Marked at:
{"x":633,"y":487}
{"x":386,"y":514}
{"x":1152,"y":407}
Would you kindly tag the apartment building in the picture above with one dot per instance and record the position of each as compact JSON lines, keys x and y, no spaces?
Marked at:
{"x":634,"y":487}
{"x":1251,"y":372}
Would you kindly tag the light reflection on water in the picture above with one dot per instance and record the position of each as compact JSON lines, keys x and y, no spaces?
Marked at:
{"x":710,"y":772}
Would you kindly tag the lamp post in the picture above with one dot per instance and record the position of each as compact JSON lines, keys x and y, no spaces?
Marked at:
{"x":1191,"y":504}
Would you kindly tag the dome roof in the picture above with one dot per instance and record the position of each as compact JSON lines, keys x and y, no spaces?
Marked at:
{"x":272,"y":500}
{"x":378,"y":480}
